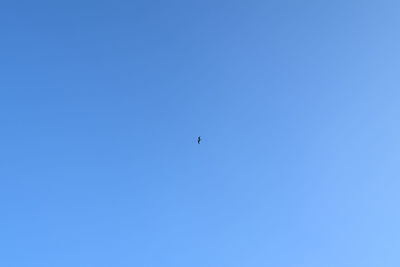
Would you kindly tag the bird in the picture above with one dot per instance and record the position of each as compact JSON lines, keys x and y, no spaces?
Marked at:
{"x":198,"y":140}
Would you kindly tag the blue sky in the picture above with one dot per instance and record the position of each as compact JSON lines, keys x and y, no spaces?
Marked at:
{"x":297,"y":102}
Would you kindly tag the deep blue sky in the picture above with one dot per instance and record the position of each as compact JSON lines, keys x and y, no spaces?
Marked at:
{"x":101,"y":103}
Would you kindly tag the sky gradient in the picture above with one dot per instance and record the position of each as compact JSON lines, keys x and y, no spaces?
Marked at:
{"x":297,"y":102}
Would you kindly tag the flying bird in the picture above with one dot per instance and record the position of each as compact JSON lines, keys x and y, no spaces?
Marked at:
{"x":198,"y":140}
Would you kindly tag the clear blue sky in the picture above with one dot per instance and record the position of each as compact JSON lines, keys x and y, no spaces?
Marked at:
{"x":101,"y":103}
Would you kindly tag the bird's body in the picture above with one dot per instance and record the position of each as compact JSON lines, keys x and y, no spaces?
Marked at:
{"x":198,"y":140}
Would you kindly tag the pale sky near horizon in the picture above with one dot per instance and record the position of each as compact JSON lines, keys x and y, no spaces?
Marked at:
{"x":297,"y":102}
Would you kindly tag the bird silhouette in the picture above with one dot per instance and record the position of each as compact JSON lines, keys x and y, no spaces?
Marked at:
{"x":198,"y":140}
